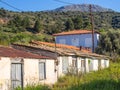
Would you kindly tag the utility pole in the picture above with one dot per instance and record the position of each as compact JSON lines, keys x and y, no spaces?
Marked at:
{"x":92,"y":27}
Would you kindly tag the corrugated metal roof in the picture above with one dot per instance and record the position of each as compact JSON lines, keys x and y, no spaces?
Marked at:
{"x":75,"y":32}
{"x":11,"y":52}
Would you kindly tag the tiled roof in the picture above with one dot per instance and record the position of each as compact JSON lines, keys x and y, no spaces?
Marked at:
{"x":11,"y":52}
{"x":37,"y":45}
{"x":67,"y":48}
{"x":57,"y":45}
{"x":61,"y":46}
{"x":75,"y":32}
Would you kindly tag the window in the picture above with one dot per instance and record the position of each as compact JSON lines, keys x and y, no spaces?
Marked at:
{"x":62,"y":41}
{"x":65,"y":64}
{"x":75,"y":41}
{"x":88,"y":42}
{"x":42,"y":70}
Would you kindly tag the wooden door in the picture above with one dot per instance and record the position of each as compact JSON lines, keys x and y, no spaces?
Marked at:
{"x":83,"y":69}
{"x":16,"y":75}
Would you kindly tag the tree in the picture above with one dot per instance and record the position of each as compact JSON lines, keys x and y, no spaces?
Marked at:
{"x":109,"y":43}
{"x":86,"y":24}
{"x":69,"y":25}
{"x":78,"y":23}
{"x":16,"y":21}
{"x":38,"y":26}
{"x":26,"y":22}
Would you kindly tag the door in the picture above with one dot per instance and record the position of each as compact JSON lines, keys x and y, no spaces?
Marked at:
{"x":74,"y":65}
{"x":99,"y":65}
{"x":83,"y":69}
{"x":65,"y":65}
{"x":16,"y":75}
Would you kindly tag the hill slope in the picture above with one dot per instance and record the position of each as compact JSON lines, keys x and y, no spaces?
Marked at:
{"x":19,"y":26}
{"x":83,"y":8}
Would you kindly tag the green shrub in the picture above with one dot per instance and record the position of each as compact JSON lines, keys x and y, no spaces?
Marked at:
{"x":35,"y":87}
{"x":107,"y":79}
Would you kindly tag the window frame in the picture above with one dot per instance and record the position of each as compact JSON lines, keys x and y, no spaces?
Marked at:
{"x":44,"y":70}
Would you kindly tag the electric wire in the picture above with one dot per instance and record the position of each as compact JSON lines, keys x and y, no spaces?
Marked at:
{"x":10,"y":5}
{"x":60,"y":1}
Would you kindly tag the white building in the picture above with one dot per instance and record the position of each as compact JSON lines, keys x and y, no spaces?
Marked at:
{"x":19,"y":68}
{"x":69,"y":59}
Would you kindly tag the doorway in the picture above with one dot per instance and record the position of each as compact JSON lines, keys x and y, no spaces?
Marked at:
{"x":16,"y":75}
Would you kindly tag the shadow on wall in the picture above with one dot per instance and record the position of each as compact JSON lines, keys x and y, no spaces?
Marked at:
{"x":98,"y":85}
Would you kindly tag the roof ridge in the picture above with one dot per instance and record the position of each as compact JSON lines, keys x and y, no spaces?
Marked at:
{"x":72,"y":32}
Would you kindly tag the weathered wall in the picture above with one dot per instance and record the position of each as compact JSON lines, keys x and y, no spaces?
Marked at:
{"x":95,"y":65}
{"x":5,"y":66}
{"x":60,"y":66}
{"x":107,"y":63}
{"x":31,"y":71}
{"x":79,"y":64}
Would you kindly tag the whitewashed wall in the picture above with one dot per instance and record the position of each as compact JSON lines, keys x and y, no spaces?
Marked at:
{"x":60,"y":66}
{"x":79,"y":64}
{"x":107,"y":63}
{"x":60,"y":73}
{"x":102,"y":63}
{"x":91,"y":62}
{"x":30,"y":75}
{"x":31,"y":71}
{"x":51,"y":74}
{"x":95,"y":65}
{"x":5,"y":66}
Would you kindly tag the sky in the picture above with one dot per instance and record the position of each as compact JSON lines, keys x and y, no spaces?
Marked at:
{"x":41,"y":5}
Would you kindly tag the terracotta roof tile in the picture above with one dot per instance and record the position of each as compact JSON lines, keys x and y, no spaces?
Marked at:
{"x":61,"y":51}
{"x":11,"y":52}
{"x":74,"y":32}
{"x":61,"y":46}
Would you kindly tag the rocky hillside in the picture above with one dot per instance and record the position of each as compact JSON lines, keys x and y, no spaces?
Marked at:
{"x":83,"y":8}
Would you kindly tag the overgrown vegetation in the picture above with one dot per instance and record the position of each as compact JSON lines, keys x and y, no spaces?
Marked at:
{"x":35,"y":87}
{"x":26,"y":26}
{"x":109,"y":44}
{"x":107,"y":79}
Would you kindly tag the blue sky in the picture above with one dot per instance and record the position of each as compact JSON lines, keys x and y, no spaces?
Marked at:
{"x":40,"y":5}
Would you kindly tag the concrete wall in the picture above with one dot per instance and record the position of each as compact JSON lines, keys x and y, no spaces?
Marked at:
{"x":84,"y":40}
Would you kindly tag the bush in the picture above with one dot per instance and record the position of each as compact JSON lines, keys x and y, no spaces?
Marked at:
{"x":107,"y":79}
{"x":35,"y":87}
